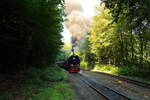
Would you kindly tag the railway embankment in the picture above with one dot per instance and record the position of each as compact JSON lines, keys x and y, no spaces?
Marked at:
{"x":126,"y":88}
{"x":124,"y":71}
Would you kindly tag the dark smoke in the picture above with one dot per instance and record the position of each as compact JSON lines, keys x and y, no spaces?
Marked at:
{"x":76,"y":23}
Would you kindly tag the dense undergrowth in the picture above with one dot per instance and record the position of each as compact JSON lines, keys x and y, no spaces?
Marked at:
{"x":38,"y":84}
{"x":132,"y":72}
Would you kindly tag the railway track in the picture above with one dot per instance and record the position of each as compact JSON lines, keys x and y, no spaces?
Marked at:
{"x":108,"y":93}
{"x":139,"y":83}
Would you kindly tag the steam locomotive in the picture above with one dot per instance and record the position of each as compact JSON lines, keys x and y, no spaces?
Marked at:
{"x":72,"y":64}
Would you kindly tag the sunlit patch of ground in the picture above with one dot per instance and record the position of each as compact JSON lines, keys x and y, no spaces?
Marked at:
{"x":128,"y":72}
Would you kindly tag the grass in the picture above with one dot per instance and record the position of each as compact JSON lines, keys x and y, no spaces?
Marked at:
{"x":130,"y":72}
{"x":59,"y":91}
{"x":40,"y":84}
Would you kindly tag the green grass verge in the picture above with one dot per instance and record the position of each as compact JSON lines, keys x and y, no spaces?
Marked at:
{"x":40,"y":84}
{"x":125,"y":71}
{"x":59,"y":91}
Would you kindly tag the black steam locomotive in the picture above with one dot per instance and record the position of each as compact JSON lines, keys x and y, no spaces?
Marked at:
{"x":72,"y":64}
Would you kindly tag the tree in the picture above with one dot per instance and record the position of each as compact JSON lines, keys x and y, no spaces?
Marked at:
{"x":135,"y":15}
{"x":30,"y":32}
{"x":102,"y":36}
{"x":115,"y":40}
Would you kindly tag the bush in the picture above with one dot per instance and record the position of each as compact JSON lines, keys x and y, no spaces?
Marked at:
{"x":38,"y":83}
{"x":84,"y":65}
{"x":125,"y":71}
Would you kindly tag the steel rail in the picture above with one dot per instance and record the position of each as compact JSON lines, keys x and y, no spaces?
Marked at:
{"x":139,"y":83}
{"x":108,"y":93}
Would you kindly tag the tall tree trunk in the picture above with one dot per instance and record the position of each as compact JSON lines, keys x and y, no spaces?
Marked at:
{"x":132,"y":47}
{"x":122,"y":48}
{"x":141,"y":48}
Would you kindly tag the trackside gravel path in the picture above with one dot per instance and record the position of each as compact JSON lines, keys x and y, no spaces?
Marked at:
{"x":81,"y":90}
{"x":130,"y":90}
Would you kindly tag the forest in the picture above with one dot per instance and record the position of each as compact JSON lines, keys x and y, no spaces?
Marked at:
{"x":30,"y":41}
{"x":120,"y":36}
{"x":30,"y":35}
{"x":31,"y":44}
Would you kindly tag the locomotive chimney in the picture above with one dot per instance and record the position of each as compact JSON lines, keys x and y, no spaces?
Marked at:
{"x":73,"y":49}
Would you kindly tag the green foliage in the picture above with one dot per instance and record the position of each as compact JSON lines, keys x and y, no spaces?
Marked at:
{"x":106,"y":68}
{"x":40,"y":84}
{"x":87,"y":58}
{"x":130,"y":10}
{"x":45,"y":74}
{"x":84,"y":64}
{"x":102,"y":39}
{"x":133,"y":16}
{"x":30,"y":32}
{"x":124,"y":71}
{"x":30,"y":40}
{"x":118,"y":43}
{"x":60,"y":91}
{"x":64,"y":53}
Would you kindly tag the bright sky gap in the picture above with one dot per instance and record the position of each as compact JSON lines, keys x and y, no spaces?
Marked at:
{"x":88,"y":7}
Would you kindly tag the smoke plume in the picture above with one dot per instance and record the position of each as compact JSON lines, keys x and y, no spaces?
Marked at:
{"x":76,"y":23}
